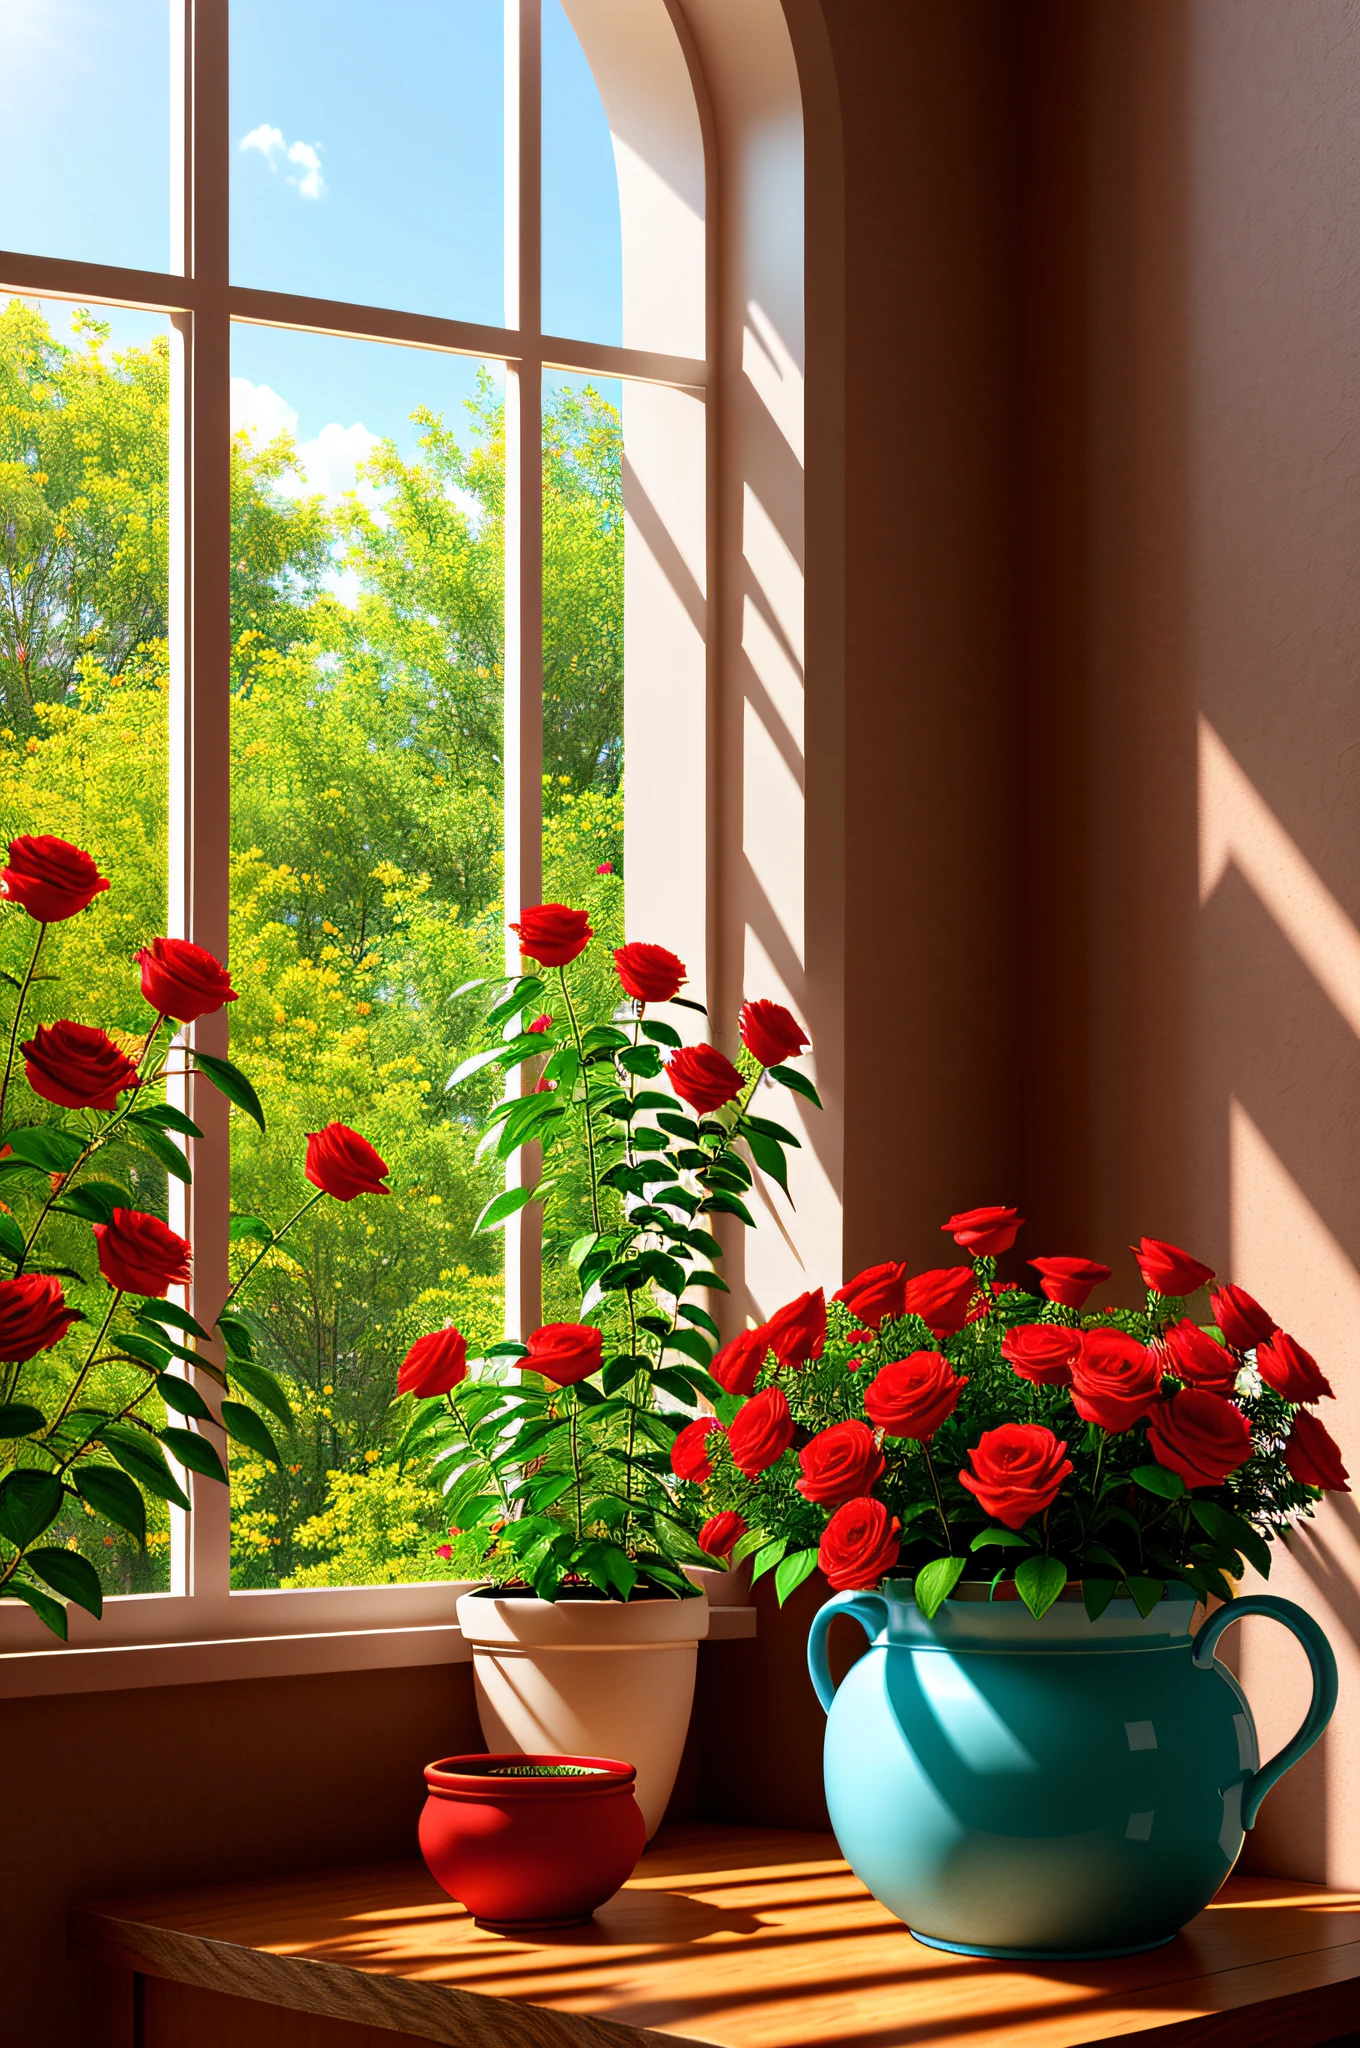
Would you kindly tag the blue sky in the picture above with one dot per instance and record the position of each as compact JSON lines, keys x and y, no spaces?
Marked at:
{"x":371,"y":171}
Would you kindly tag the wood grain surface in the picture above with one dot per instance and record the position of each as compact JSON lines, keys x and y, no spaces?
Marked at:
{"x":744,"y":1938}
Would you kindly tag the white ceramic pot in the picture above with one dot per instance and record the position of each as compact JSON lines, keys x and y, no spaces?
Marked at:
{"x":588,"y":1678}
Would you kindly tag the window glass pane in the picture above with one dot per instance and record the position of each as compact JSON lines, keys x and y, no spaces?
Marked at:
{"x":368,"y":152}
{"x":366,"y":888}
{"x":582,"y":251}
{"x":85,"y":129}
{"x":84,"y":694}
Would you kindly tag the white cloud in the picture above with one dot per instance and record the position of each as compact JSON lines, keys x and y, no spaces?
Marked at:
{"x":259,"y":411}
{"x":330,"y":460}
{"x":269,"y":142}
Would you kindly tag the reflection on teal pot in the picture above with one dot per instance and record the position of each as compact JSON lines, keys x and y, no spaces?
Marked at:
{"x":1054,"y":1788}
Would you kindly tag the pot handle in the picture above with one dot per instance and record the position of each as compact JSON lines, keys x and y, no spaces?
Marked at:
{"x":1322,"y":1663}
{"x":870,"y":1610}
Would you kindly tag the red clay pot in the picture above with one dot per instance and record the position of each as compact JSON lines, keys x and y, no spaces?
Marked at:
{"x":530,"y":1841}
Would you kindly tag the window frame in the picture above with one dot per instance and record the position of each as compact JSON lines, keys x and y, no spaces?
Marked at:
{"x":200,"y":1628}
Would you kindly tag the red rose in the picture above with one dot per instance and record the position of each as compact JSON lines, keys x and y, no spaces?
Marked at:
{"x":1115,"y":1379}
{"x":606,"y":867}
{"x":876,"y":1293}
{"x":1243,"y":1321}
{"x":859,"y":1544}
{"x":565,"y":1352}
{"x":770,"y":1033}
{"x":343,"y":1164}
{"x":1293,"y":1372}
{"x":434,"y":1364}
{"x":33,"y":1316}
{"x":797,"y":1332}
{"x":140,"y":1254}
{"x":1069,"y":1281}
{"x":986,"y":1233}
{"x":182,"y":980}
{"x":1018,"y":1471}
{"x":737,"y":1366}
{"x":543,"y":1023}
{"x":1313,"y":1458}
{"x":650,"y":974}
{"x":50,"y":878}
{"x":1166,"y":1269}
{"x":1043,"y":1353}
{"x":722,"y":1533}
{"x":761,"y":1432}
{"x":1199,"y":1359}
{"x":839,"y":1463}
{"x":552,"y":934}
{"x":1199,"y":1435}
{"x":942,"y":1298}
{"x":703,"y":1077}
{"x":689,"y":1453}
{"x":77,"y":1066}
{"x":913,"y":1396}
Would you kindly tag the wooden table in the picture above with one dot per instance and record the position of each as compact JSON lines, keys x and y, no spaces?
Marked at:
{"x":734,"y":1936}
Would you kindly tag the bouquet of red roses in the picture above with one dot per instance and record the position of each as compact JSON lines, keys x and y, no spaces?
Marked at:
{"x":948,"y":1423}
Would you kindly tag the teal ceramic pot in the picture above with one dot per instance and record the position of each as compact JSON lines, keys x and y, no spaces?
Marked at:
{"x":1047,"y":1789}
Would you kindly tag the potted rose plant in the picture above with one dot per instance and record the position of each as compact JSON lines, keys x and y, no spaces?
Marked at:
{"x":567,"y":1468}
{"x":97,"y":1415}
{"x":1023,"y":1503}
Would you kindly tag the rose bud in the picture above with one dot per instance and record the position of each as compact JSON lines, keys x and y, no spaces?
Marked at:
{"x":879,"y":1292}
{"x":606,"y":867}
{"x":552,"y":934}
{"x":703,"y":1077}
{"x":859,"y":1544}
{"x":1243,"y":1321}
{"x":986,"y":1233}
{"x":839,"y":1463}
{"x":1018,"y":1471}
{"x":434,"y":1364}
{"x":1043,"y":1353}
{"x":913,"y":1396}
{"x":77,"y":1066}
{"x":942,"y":1298}
{"x":33,"y":1316}
{"x":1166,"y":1269}
{"x":770,"y":1033}
{"x":183,"y":981}
{"x":565,"y":1352}
{"x":690,"y":1457}
{"x":796,"y":1333}
{"x":141,"y":1255}
{"x":444,"y":1550}
{"x":1199,"y":1435}
{"x":737,"y":1366}
{"x":540,"y":1024}
{"x":1069,"y":1281}
{"x":722,"y":1533}
{"x":1313,"y":1458}
{"x":761,"y":1432}
{"x":50,"y":878}
{"x":1293,"y":1372}
{"x":1115,"y":1379}
{"x":1198,"y":1359}
{"x":650,"y":974}
{"x":343,"y":1164}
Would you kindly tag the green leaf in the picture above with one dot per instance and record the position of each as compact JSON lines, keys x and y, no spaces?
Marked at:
{"x":262,"y":1386}
{"x":252,"y":1430}
{"x":617,"y":1374}
{"x":42,"y":1145}
{"x":702,"y":1317}
{"x":1097,"y":1594}
{"x":667,"y":1272}
{"x":1144,"y":1593}
{"x":174,"y":1317}
{"x":691,"y":1344}
{"x":94,"y":1201}
{"x":253,"y":1228}
{"x":1156,"y":1479}
{"x":769,"y":1158}
{"x":150,"y":1351}
{"x":163,"y":1117}
{"x":935,"y":1581}
{"x":30,"y":1502}
{"x":676,"y":1386}
{"x":18,"y":1419}
{"x":726,"y":1205}
{"x":168,"y":1345}
{"x":11,"y":1238}
{"x":113,"y":1496}
{"x":165,"y":1149}
{"x":184,"y":1399}
{"x":47,"y":1610}
{"x":791,"y":1571}
{"x":236,"y":1336}
{"x":799,"y":1083}
{"x":231,"y":1082}
{"x":768,"y":1556}
{"x":769,"y":1130}
{"x":193,"y":1451}
{"x":1008,"y":1539}
{"x":508,"y":1203}
{"x":142,"y":1459}
{"x":1235,"y":1531}
{"x":1039,"y":1581}
{"x":72,"y":1575}
{"x":661,"y":1034}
